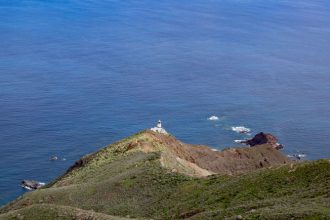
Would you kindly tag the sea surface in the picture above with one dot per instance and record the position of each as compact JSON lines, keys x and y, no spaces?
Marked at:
{"x":76,"y":75}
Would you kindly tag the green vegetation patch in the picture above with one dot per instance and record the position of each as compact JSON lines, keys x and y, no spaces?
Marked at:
{"x":53,"y":212}
{"x":118,"y":182}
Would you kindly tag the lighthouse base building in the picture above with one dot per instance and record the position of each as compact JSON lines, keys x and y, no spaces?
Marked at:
{"x":159,"y":128}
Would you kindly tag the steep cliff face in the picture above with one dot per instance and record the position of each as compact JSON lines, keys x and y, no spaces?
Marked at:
{"x":152,"y":175}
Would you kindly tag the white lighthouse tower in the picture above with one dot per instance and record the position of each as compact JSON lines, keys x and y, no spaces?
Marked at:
{"x":159,"y":124}
{"x":159,"y":128}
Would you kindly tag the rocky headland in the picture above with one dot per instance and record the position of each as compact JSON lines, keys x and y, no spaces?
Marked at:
{"x":153,"y":175}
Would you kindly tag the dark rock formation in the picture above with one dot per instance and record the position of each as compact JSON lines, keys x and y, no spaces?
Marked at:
{"x":31,"y":184}
{"x":263,"y":138}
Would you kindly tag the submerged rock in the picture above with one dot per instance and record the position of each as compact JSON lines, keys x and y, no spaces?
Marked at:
{"x":53,"y":158}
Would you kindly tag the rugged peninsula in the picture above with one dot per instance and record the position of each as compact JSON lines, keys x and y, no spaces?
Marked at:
{"x":152,"y":175}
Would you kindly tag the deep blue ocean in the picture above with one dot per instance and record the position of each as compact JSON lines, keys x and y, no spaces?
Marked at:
{"x":76,"y":75}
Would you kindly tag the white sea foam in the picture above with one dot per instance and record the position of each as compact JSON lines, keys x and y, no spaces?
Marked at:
{"x":214,"y":149}
{"x":241,"y":129}
{"x":239,"y":141}
{"x":297,"y":156}
{"x":26,"y":187}
{"x":213,"y":118}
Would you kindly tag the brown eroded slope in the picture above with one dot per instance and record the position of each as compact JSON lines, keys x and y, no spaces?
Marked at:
{"x":176,"y":156}
{"x":142,"y":177}
{"x":192,"y":160}
{"x":205,"y":161}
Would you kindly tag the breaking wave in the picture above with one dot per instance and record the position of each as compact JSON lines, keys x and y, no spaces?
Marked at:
{"x":241,"y":129}
{"x":297,"y":156}
{"x":240,"y":141}
{"x":213,"y":118}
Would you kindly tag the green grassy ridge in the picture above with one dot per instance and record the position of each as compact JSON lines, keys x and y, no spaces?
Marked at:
{"x":55,"y":212}
{"x":118,"y":182}
{"x":273,"y":193}
{"x":122,"y":191}
{"x":92,"y":163}
{"x":146,"y":190}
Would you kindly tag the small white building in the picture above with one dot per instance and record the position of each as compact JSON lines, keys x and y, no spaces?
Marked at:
{"x":159,"y":128}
